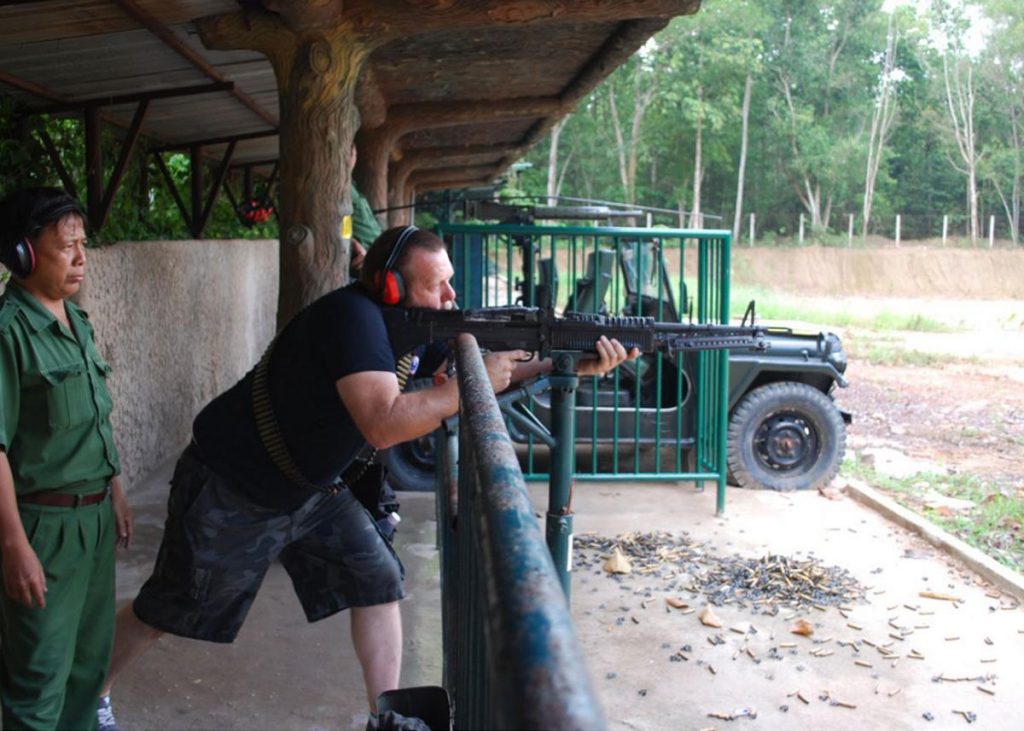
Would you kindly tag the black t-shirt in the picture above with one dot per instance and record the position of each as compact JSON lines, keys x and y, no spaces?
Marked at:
{"x":340,"y":334}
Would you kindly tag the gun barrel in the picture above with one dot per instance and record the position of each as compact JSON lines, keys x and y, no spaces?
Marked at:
{"x":534,"y":329}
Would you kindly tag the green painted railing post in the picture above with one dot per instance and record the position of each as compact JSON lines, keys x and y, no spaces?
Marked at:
{"x":563,"y":465}
{"x":725,"y":266}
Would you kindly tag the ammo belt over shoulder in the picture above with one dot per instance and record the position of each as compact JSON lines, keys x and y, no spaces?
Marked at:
{"x":269,"y":428}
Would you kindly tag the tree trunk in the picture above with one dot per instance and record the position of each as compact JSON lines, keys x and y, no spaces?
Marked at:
{"x":316,"y":70}
{"x":881,"y":122}
{"x":698,"y":162}
{"x":741,"y":173}
{"x":317,"y":103}
{"x":553,"y":179}
{"x":960,"y":105}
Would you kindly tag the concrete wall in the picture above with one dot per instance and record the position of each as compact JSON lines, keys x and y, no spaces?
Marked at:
{"x":179,"y":322}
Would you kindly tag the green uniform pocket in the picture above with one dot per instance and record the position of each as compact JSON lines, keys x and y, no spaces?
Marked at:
{"x":68,"y":401}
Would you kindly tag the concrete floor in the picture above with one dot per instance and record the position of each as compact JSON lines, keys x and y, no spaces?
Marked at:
{"x":283,"y":673}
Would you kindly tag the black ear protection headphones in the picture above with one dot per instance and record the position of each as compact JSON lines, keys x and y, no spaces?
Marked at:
{"x":20,"y":258}
{"x":388,"y":281}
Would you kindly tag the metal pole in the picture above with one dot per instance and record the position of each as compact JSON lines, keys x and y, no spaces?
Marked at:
{"x":723,"y":377}
{"x":563,"y":462}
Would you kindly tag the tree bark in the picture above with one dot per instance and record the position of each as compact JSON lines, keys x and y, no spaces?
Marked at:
{"x":960,"y":105}
{"x":316,"y":72}
{"x":881,"y":123}
{"x":741,"y":173}
{"x":698,"y":160}
{"x":553,"y":178}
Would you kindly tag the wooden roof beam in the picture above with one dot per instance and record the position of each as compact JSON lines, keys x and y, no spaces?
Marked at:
{"x":376,"y":145}
{"x":215,"y":141}
{"x":400,"y":18}
{"x":428,"y":158}
{"x":73,"y":105}
{"x":141,"y":16}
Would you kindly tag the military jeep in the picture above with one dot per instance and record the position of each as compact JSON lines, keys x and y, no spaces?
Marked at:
{"x":785,"y":431}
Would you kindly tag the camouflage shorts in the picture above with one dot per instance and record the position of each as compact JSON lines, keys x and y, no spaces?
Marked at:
{"x":217,"y":547}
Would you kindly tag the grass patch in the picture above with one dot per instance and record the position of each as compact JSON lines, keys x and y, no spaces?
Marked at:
{"x":993,"y":525}
{"x":887,"y":350}
{"x":774,"y":306}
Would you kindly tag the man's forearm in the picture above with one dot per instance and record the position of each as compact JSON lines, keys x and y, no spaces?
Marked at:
{"x":12,"y":532}
{"x":411,"y":415}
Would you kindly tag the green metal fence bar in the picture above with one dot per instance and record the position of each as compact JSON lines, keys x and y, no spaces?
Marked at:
{"x":511,"y":658}
{"x":636,"y":430}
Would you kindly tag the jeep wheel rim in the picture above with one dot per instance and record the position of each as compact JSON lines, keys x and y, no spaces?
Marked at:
{"x":785,"y":442}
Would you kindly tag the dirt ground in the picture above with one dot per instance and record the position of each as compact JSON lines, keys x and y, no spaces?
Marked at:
{"x":963,"y":412}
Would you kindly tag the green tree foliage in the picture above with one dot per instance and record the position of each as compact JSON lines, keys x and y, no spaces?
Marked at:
{"x":816,"y":70}
{"x":143,"y":208}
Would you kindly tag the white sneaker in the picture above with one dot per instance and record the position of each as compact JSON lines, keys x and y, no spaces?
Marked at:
{"x":105,"y":720}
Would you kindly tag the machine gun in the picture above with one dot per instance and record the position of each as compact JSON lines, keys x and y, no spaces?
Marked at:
{"x":540,"y":330}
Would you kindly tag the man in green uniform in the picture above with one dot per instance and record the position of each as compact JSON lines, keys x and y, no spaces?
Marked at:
{"x":62,"y":508}
{"x":364,"y":225}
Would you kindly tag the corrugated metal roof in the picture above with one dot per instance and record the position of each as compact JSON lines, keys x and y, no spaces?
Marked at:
{"x":68,"y":50}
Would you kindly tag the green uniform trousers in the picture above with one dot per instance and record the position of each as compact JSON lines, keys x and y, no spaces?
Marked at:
{"x":53,"y":661}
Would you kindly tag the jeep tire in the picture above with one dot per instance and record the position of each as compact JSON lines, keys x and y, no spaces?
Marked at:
{"x":785,"y":436}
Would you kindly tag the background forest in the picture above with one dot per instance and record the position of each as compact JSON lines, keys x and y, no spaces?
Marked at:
{"x":852,"y":110}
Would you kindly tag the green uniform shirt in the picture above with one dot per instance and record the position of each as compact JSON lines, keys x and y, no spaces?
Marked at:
{"x":364,"y":224}
{"x":54,"y":402}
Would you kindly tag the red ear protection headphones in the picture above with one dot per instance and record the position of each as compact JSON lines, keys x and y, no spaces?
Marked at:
{"x":390,"y":287}
{"x":20,"y":258}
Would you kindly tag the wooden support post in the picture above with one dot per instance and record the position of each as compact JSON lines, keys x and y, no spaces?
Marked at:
{"x":317,"y":69}
{"x":172,"y":188}
{"x":196,"y":185}
{"x":991,"y":232}
{"x":898,"y":232}
{"x":215,"y":188}
{"x":801,"y":238}
{"x":945,"y":229}
{"x":752,"y":217}
{"x":93,"y":164}
{"x":54,"y":154}
{"x":122,"y":164}
{"x":849,"y":231}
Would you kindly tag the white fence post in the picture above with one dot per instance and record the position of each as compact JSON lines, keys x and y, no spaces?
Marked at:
{"x":898,"y":222}
{"x":650,"y":219}
{"x":945,"y":229}
{"x":801,"y":229}
{"x":849,"y":231}
{"x":752,"y":217}
{"x":991,"y":231}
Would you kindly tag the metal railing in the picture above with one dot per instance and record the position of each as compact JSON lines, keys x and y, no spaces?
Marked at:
{"x":665,"y":418}
{"x":511,"y":658}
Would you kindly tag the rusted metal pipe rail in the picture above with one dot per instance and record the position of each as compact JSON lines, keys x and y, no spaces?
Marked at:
{"x":511,"y":655}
